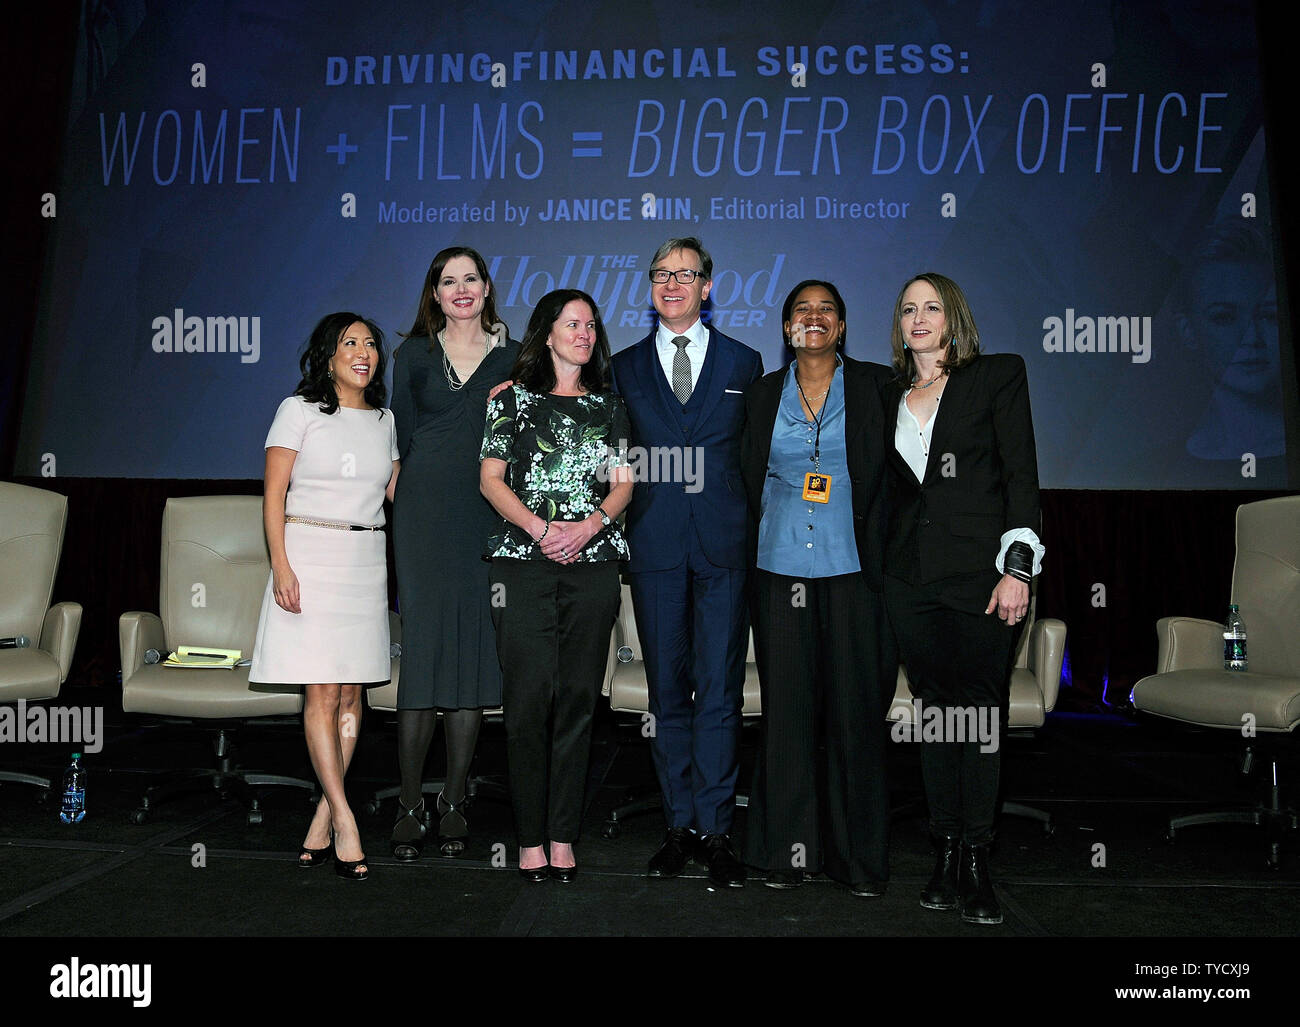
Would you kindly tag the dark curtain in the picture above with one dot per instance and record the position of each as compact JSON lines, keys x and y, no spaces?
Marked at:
{"x":1116,"y":562}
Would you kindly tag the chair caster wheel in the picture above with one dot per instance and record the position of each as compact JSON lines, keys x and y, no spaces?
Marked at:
{"x":254,"y":817}
{"x":612,"y":829}
{"x":1049,"y":829}
{"x":139,"y":816}
{"x":1169,"y":837}
{"x":42,"y":797}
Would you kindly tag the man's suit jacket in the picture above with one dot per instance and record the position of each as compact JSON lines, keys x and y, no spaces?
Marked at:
{"x":661,"y":510}
{"x":864,"y":438}
{"x":981,"y":478}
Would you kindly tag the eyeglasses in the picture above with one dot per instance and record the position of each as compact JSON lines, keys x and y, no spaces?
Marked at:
{"x":683,"y":277}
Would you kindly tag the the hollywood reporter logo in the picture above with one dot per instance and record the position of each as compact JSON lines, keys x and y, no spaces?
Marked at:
{"x":676,"y":464}
{"x":179,"y":333}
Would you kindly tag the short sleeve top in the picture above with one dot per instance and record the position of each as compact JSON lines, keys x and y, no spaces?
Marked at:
{"x":344,"y":463}
{"x":560,"y":450}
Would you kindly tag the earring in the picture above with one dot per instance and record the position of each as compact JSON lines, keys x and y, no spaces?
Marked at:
{"x":329,"y":373}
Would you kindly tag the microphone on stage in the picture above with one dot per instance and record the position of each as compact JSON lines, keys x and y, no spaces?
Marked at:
{"x":17,"y":642}
{"x":152,"y":656}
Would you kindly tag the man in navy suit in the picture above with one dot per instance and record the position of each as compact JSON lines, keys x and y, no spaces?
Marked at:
{"x":684,"y":389}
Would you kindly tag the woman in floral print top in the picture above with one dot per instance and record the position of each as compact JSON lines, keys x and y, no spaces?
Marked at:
{"x":554,"y":465}
{"x":561,"y":450}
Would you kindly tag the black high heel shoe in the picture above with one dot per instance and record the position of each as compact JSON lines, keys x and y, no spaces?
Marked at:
{"x":408,"y":850}
{"x":453,"y":828}
{"x":315,"y":857}
{"x":347,"y":869}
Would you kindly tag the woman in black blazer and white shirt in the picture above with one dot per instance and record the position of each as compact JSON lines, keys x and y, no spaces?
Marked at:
{"x":961,"y":549}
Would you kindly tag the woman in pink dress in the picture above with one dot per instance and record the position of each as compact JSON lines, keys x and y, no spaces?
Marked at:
{"x":331,"y":459}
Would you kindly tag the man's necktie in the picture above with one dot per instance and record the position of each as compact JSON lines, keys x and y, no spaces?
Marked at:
{"x":681,"y":370}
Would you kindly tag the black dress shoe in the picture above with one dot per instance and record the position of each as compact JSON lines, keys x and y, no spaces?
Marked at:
{"x":564,"y":874}
{"x":725,"y":870}
{"x":673,"y":854}
{"x":941,"y":890}
{"x":975,"y":888}
{"x":784,"y":880}
{"x":536,"y":875}
{"x":868,"y":889}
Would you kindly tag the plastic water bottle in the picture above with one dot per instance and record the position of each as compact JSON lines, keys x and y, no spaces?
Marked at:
{"x":74,"y":792}
{"x":1234,"y":641}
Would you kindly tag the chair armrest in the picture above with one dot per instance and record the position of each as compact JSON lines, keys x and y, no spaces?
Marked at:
{"x":136,"y":632}
{"x":1045,"y":656}
{"x":59,"y":635}
{"x":1189,"y":643}
{"x":611,"y":661}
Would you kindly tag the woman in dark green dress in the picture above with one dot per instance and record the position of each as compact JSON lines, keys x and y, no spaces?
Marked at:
{"x":456,"y":350}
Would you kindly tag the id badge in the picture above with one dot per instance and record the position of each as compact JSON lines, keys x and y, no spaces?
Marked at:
{"x":817,"y":487}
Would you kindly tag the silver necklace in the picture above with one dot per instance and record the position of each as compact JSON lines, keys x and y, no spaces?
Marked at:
{"x":449,"y":370}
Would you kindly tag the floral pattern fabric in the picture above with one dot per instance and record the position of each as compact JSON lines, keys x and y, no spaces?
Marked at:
{"x":560,"y":450}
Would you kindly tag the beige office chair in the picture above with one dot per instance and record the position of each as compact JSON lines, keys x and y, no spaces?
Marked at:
{"x":31,"y":538}
{"x":629,"y":692}
{"x":1035,"y":682}
{"x":214,"y":572}
{"x":1263,"y":703}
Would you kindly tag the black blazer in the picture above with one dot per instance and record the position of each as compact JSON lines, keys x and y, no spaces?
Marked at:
{"x":981,"y":479}
{"x":864,"y":435}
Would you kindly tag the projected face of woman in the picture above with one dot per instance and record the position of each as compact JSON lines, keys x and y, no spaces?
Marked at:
{"x":1233,"y":321}
{"x":461,"y":290}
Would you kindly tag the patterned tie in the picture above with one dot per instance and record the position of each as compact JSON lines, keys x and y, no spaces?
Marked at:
{"x":681,"y":371}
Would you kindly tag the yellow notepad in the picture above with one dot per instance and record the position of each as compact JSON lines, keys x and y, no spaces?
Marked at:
{"x":203,"y":656}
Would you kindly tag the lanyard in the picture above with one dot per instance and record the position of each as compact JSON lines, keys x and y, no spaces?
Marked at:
{"x":817,"y":441}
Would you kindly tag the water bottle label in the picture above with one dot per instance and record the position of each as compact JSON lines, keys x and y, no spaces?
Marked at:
{"x":74,"y":806}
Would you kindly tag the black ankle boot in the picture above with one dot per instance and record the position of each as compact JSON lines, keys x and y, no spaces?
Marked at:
{"x":941,"y":891}
{"x":975,"y":888}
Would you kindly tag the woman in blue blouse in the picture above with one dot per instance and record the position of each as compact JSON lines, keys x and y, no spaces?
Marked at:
{"x":554,"y":467}
{"x":813,"y":459}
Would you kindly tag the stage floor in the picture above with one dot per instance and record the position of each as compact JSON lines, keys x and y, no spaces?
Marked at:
{"x":1109,"y":782}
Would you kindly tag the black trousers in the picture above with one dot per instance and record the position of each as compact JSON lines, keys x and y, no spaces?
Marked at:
{"x":827,"y":667}
{"x":553,"y":625}
{"x":958,"y":661}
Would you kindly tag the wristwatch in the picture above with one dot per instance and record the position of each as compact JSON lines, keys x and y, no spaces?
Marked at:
{"x":605,"y":519}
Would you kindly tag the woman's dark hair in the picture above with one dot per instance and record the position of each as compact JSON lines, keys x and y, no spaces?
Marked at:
{"x":963,"y":342}
{"x":429,"y":317}
{"x":794,"y":293}
{"x":316,"y":385}
{"x":534,"y":368}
